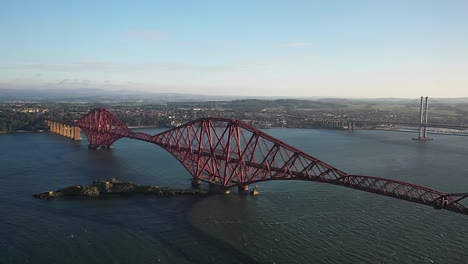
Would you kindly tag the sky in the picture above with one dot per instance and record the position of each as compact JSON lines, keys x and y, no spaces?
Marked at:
{"x":337,"y":48}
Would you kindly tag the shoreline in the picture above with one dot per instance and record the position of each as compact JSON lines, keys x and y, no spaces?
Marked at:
{"x":144,"y":127}
{"x":23,"y":131}
{"x":378,"y":129}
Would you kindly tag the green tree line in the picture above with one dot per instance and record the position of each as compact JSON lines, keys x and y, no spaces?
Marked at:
{"x":13,"y":121}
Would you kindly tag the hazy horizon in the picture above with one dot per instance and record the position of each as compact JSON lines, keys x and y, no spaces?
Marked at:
{"x":26,"y":93}
{"x":339,"y":49}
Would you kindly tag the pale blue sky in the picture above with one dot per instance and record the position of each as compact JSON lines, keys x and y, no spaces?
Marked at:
{"x":341,"y":48}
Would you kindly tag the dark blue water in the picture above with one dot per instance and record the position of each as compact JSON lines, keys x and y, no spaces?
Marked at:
{"x":290,"y":222}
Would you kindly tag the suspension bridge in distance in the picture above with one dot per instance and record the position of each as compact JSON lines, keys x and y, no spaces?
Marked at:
{"x":422,"y":124}
{"x":229,"y":153}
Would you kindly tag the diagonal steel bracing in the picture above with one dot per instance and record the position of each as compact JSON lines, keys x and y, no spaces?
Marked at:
{"x":232,"y":153}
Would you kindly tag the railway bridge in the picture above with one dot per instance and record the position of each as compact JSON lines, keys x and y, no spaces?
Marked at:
{"x":229,"y":153}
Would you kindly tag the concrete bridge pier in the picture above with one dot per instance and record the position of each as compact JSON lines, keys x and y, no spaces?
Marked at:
{"x":91,"y":146}
{"x":97,"y":147}
{"x":255,"y":191}
{"x":77,"y":133}
{"x":196,"y":183}
{"x":218,"y":189}
{"x":351,"y":125}
{"x":243,"y":189}
{"x":69,"y":131}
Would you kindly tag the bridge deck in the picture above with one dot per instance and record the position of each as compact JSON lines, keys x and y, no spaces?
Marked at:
{"x":232,"y":153}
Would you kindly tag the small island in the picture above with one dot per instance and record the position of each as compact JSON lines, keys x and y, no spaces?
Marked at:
{"x":116,"y":187}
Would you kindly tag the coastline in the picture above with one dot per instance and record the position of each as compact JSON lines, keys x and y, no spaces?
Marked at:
{"x":144,"y":127}
{"x":378,"y":129}
{"x":23,"y":131}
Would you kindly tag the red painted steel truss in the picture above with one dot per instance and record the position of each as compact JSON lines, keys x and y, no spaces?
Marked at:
{"x":102,"y":128}
{"x":232,"y":153}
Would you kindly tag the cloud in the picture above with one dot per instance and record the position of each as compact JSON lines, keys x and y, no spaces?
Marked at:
{"x":138,"y":67}
{"x":296,"y":44}
{"x":73,"y":82}
{"x":98,"y":66}
{"x":146,"y":35}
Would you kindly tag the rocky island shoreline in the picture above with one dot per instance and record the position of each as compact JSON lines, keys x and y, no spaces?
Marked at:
{"x":115,"y":187}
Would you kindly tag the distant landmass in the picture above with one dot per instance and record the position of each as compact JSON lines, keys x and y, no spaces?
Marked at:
{"x":102,"y":95}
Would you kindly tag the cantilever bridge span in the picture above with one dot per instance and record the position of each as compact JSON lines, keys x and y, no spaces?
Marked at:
{"x":230,"y":153}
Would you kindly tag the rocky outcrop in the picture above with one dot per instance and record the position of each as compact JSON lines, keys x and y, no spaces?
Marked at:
{"x":101,"y":188}
{"x":90,"y":191}
{"x":71,"y":191}
{"x":49,"y":194}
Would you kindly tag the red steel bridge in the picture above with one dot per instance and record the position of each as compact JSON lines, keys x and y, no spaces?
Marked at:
{"x":230,"y":153}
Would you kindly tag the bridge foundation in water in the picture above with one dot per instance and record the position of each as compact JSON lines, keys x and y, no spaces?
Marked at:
{"x":243,"y":189}
{"x":196,"y":183}
{"x":218,"y":189}
{"x":423,"y":112}
{"x":66,"y":130}
{"x":97,"y":147}
{"x":351,"y":126}
{"x":255,"y":191}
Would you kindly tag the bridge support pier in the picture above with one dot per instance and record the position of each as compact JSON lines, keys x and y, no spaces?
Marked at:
{"x":66,"y":130}
{"x":351,"y":125}
{"x":70,"y":131}
{"x":91,"y":146}
{"x":97,"y":147}
{"x":77,"y":133}
{"x":60,"y":129}
{"x":218,"y":189}
{"x":196,"y":183}
{"x":255,"y":191}
{"x":243,"y":189}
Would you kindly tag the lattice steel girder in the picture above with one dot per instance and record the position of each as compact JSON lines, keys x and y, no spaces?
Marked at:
{"x":102,"y":128}
{"x":232,"y":153}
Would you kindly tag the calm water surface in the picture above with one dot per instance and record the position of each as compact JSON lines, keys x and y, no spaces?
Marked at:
{"x":290,"y":222}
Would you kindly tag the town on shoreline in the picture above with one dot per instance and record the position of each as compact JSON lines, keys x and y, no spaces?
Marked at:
{"x":20,"y":116}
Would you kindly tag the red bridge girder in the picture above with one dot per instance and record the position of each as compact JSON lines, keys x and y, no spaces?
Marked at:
{"x":232,"y":153}
{"x":102,"y":128}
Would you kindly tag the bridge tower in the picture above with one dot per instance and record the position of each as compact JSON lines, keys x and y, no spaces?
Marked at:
{"x":423,"y":114}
